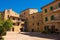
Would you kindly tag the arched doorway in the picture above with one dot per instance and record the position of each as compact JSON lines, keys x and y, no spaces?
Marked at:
{"x":13,"y":29}
{"x":53,"y":28}
{"x":21,"y":29}
{"x":32,"y":30}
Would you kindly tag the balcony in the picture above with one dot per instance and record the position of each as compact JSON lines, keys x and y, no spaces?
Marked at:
{"x":57,"y":9}
{"x":56,"y":20}
{"x":20,"y":21}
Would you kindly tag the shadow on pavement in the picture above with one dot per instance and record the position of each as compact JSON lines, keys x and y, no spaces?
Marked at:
{"x":41,"y":35}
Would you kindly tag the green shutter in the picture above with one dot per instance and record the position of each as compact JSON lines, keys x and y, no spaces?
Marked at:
{"x":46,"y":28}
{"x":46,"y":19}
{"x":52,"y":17}
{"x":51,"y":8}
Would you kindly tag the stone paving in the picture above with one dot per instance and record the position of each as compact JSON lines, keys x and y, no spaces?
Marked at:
{"x":27,"y":36}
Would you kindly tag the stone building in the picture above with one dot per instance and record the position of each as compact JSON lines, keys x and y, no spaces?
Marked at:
{"x":33,"y":20}
{"x":51,"y":14}
{"x":14,"y":17}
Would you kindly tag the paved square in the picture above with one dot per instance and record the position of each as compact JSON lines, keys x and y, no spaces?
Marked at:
{"x":24,"y":36}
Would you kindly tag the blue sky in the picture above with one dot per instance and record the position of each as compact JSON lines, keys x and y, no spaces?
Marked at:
{"x":20,"y":5}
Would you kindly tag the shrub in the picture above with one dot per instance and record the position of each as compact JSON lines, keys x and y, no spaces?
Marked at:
{"x":2,"y":39}
{"x":4,"y":33}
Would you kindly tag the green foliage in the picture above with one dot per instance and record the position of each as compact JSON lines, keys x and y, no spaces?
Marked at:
{"x":7,"y":24}
{"x":1,"y":30}
{"x":1,"y":22}
{"x":4,"y":33}
{"x":1,"y":16}
{"x":2,"y":38}
{"x":4,"y":25}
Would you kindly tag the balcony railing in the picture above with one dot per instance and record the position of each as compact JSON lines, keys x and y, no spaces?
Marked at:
{"x":56,"y":9}
{"x":20,"y":21}
{"x":56,"y":20}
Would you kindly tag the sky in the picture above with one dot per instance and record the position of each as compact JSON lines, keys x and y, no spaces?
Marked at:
{"x":20,"y":5}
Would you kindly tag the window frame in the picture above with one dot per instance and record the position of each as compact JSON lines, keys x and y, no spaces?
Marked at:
{"x":38,"y":23}
{"x":13,"y":18}
{"x":33,"y":17}
{"x":52,"y":17}
{"x":14,"y":24}
{"x":51,"y":8}
{"x":59,"y":4}
{"x":46,"y":18}
{"x":45,"y":10}
{"x":46,"y":28}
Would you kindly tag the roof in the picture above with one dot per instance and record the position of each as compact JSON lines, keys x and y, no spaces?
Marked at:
{"x":28,"y":9}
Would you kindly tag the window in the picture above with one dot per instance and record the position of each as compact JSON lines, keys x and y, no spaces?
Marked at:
{"x":8,"y":16}
{"x":22,"y":19}
{"x":18,"y":24}
{"x":46,"y":19}
{"x":13,"y":23}
{"x":33,"y":23}
{"x":22,"y":24}
{"x":13,"y":18}
{"x":38,"y":23}
{"x":46,"y":28}
{"x":45,"y":10}
{"x":52,"y":17}
{"x":18,"y":18}
{"x":59,"y":4}
{"x":33,"y":17}
{"x":51,"y":8}
{"x":13,"y":29}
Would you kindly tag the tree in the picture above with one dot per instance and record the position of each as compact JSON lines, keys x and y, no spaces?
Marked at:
{"x":4,"y":25}
{"x":7,"y":24}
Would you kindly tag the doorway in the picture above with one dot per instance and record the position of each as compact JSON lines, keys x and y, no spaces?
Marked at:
{"x":21,"y":29}
{"x":32,"y":30}
{"x":53,"y":28}
{"x":13,"y":29}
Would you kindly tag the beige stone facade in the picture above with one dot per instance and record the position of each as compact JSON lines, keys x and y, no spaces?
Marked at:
{"x":14,"y":17}
{"x":33,"y":20}
{"x":46,"y":20}
{"x":51,"y":14}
